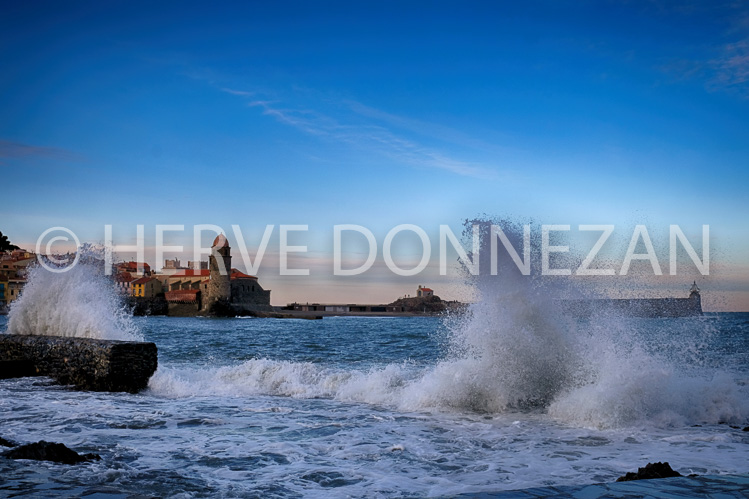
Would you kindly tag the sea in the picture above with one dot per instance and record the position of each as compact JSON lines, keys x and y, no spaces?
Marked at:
{"x":508,"y":395}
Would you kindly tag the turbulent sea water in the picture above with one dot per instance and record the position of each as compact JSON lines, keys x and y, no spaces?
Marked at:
{"x":512,"y":394}
{"x":355,"y":406}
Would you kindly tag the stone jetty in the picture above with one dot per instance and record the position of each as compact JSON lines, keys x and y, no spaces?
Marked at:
{"x":87,"y":364}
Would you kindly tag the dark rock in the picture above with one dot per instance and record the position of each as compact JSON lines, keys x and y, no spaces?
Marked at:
{"x":7,"y":443}
{"x":221,"y":308}
{"x":49,"y":451}
{"x":16,"y":369}
{"x":746,"y":428}
{"x":651,"y":470}
{"x":88,"y":364}
{"x":148,"y":306}
{"x":427,"y":305}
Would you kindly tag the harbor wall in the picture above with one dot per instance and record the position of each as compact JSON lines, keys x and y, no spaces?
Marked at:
{"x":87,"y":364}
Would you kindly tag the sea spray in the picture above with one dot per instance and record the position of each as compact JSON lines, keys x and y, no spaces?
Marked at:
{"x":80,"y":302}
{"x":657,"y":376}
{"x":515,"y":350}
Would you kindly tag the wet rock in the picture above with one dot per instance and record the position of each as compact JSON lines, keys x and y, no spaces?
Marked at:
{"x":86,"y":363}
{"x":651,"y":470}
{"x":49,"y":451}
{"x":16,"y":369}
{"x":746,"y":428}
{"x":7,"y":443}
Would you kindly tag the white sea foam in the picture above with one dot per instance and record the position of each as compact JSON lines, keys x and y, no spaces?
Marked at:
{"x":514,"y":351}
{"x":80,"y":303}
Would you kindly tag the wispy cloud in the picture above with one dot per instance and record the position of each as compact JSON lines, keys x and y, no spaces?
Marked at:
{"x":732,"y":67}
{"x":720,"y":63}
{"x":423,"y":128}
{"x":238,"y":92}
{"x":374,"y":131}
{"x":726,"y":70}
{"x":10,"y":149}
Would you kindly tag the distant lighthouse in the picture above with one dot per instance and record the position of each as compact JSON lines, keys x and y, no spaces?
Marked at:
{"x":219,"y":265}
{"x":695,"y":300}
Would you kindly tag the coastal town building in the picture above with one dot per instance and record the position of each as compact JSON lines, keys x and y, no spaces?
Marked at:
{"x":424,"y":292}
{"x":192,"y":291}
{"x":171,"y":264}
{"x":135,"y":269}
{"x":183,"y":279}
{"x":216,"y":288}
{"x":7,"y":270}
{"x":15,"y":286}
{"x":123,"y":283}
{"x":14,"y":266}
{"x":171,"y":267}
{"x":146,"y":287}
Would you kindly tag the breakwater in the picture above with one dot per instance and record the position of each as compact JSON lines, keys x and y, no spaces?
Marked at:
{"x":86,"y":363}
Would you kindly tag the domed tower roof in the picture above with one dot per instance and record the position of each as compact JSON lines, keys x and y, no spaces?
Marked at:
{"x":220,"y":242}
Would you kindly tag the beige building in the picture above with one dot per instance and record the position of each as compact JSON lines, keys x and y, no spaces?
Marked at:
{"x":146,"y":287}
{"x":14,"y":266}
{"x":123,"y":283}
{"x":15,"y":286}
{"x":183,"y":279}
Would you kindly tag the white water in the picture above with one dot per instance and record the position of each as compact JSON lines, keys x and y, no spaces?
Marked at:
{"x":80,"y":303}
{"x":515,"y":351}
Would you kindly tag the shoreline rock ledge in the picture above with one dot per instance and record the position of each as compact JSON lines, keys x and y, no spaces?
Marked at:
{"x":651,"y":470}
{"x":87,"y":364}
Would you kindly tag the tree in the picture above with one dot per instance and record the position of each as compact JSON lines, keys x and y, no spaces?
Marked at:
{"x":5,"y":244}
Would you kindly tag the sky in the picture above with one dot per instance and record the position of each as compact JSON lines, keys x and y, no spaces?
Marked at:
{"x":378,"y":114}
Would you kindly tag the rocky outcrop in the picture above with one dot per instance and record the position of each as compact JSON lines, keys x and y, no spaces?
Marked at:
{"x":88,"y":364}
{"x":7,"y":443}
{"x":426,"y":305}
{"x":16,"y":369}
{"x":148,"y":306}
{"x":651,"y":470}
{"x":49,"y":451}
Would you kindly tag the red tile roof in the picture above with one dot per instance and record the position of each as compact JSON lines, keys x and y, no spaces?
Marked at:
{"x":133,"y":266}
{"x":143,"y":280}
{"x":427,"y":289}
{"x":235,"y":274}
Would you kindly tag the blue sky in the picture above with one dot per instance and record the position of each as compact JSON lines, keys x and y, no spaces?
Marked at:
{"x":376,"y":114}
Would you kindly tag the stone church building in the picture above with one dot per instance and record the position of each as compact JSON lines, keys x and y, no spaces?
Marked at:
{"x":218,"y":290}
